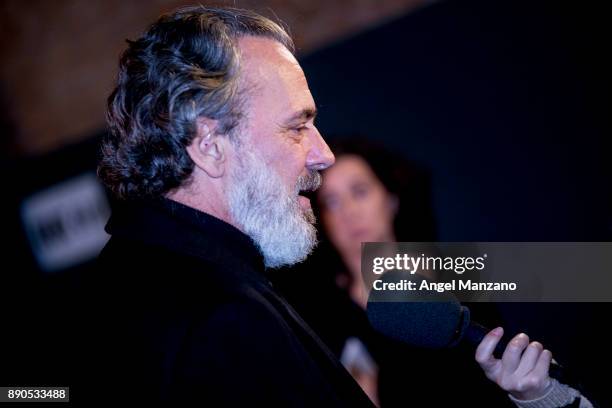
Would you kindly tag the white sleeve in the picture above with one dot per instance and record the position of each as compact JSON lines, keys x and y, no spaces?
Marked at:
{"x":558,"y":395}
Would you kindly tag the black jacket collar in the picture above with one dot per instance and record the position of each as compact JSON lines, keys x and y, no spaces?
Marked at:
{"x":184,"y":229}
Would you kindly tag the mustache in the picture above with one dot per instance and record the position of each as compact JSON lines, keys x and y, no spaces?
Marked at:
{"x":309,"y":182}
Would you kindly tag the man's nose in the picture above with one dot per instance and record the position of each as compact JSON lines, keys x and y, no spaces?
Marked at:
{"x":319,"y":155}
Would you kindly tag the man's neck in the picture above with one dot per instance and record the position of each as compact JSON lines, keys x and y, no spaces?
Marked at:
{"x":208,"y":203}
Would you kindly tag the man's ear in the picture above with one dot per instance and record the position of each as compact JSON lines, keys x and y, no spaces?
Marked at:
{"x":207,"y":149}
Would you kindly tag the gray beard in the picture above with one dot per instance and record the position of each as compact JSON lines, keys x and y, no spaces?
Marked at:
{"x":263,"y":208}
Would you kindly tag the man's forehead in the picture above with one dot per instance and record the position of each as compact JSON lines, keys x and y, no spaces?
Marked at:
{"x":271,"y":69}
{"x":264,"y":49}
{"x":267,"y":59}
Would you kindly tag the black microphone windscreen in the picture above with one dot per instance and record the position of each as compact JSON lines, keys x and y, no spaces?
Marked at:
{"x":421,"y":324}
{"x":436,"y":322}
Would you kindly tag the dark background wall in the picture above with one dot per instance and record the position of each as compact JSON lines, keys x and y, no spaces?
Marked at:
{"x":506,"y":102}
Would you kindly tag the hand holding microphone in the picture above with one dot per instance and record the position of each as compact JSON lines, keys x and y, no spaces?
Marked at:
{"x":438,"y":320}
{"x":523,"y":369}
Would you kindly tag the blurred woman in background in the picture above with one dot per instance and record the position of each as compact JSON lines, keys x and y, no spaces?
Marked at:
{"x":360,"y":201}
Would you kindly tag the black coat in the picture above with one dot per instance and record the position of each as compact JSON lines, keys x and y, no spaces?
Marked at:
{"x":180,"y":309}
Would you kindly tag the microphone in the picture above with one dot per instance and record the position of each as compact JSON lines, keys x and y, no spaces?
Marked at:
{"x":430,"y":320}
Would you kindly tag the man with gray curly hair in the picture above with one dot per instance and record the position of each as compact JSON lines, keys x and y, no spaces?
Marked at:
{"x":212,"y":144}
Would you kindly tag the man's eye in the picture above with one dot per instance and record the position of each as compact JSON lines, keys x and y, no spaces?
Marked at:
{"x":299,"y":129}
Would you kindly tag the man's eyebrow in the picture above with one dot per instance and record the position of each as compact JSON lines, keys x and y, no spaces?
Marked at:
{"x":304,"y":114}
